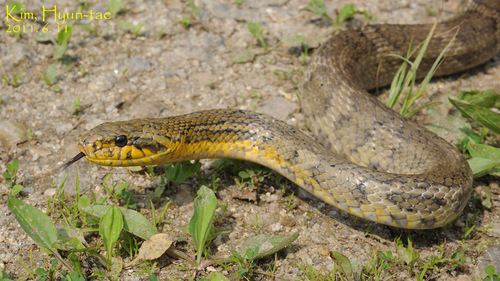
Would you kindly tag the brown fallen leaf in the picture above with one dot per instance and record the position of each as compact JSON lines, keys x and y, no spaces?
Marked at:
{"x":153,"y":248}
{"x":11,"y":134}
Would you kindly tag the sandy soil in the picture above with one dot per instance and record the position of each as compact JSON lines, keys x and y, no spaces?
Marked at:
{"x":165,"y":70}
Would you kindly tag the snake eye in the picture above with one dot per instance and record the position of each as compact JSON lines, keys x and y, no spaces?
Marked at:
{"x":121,"y":140}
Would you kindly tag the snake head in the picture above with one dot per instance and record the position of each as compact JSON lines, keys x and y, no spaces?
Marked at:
{"x":124,"y":144}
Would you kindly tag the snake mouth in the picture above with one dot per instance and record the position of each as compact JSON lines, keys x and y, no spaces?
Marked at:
{"x":129,"y":155}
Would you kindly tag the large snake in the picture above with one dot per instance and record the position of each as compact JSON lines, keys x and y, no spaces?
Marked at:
{"x":371,"y":162}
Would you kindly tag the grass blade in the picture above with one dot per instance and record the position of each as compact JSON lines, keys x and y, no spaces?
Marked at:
{"x":488,"y":98}
{"x":425,"y":82}
{"x":480,"y":114}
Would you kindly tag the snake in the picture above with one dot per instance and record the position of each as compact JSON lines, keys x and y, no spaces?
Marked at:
{"x":357,"y":154}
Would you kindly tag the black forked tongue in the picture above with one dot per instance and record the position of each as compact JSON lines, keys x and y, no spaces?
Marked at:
{"x":73,"y":160}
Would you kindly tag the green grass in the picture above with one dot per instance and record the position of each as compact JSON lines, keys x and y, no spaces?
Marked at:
{"x":387,"y":264}
{"x":109,"y":230}
{"x":238,"y":2}
{"x":344,"y":14}
{"x":50,"y":74}
{"x":115,"y":7}
{"x":188,"y":20}
{"x":404,"y":88}
{"x":257,"y":32}
{"x":133,"y":28}
{"x":477,"y":105}
{"x":62,"y":41}
{"x":13,"y":80}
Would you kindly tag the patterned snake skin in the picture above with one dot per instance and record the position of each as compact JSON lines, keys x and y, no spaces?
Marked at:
{"x":365,"y":159}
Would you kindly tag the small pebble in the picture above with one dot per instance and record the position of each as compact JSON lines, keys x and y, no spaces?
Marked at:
{"x":50,"y":192}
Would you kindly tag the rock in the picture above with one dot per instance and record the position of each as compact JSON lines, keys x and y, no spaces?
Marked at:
{"x":463,"y":277}
{"x":276,"y":227}
{"x":269,"y":198}
{"x":288,"y":220}
{"x":324,"y":251}
{"x":268,"y":3}
{"x":494,"y":229}
{"x":137,"y":65}
{"x":50,"y":192}
{"x":277,"y":107}
{"x":11,"y":134}
{"x":490,"y":256}
{"x":102,"y":82}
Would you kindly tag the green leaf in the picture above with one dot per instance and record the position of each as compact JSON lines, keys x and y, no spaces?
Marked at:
{"x":45,"y":38}
{"x":472,"y":135}
{"x":62,"y":41}
{"x":264,"y":245}
{"x":255,"y":28}
{"x":16,"y":8}
{"x":13,"y":167}
{"x":110,"y":227}
{"x":343,"y":263}
{"x":480,"y":114}
{"x":318,"y":8}
{"x":217,"y":276}
{"x":4,"y":276}
{"x":83,"y":201}
{"x":485,"y":159}
{"x":64,"y":35}
{"x":50,"y":74}
{"x":483,"y":151}
{"x":346,"y":13}
{"x":69,"y":239}
{"x":133,"y":221}
{"x":244,"y":174}
{"x":74,"y":276}
{"x":181,"y":171}
{"x":483,"y":166}
{"x":201,"y":223}
{"x":11,"y":171}
{"x":35,"y":223}
{"x":488,"y":98}
{"x":16,"y":189}
{"x":59,"y":51}
{"x":490,"y":269}
{"x":115,"y":6}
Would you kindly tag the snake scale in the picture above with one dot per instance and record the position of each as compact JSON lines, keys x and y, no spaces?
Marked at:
{"x":365,"y":159}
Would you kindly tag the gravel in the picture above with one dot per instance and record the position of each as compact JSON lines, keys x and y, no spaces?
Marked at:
{"x":166,"y":70}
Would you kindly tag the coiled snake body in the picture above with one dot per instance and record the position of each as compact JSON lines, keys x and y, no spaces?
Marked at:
{"x":372,"y":163}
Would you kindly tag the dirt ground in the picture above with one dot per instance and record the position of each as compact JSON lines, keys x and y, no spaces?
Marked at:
{"x":165,"y":69}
